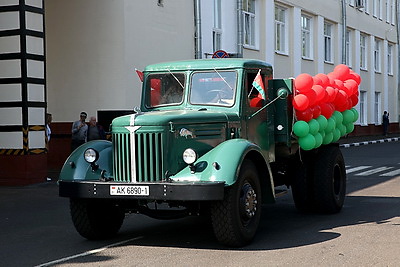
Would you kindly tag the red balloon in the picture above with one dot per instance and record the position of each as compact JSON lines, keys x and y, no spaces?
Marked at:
{"x":324,"y":78}
{"x":342,"y":71}
{"x":351,"y":87}
{"x":355,"y":77}
{"x":354,"y":100}
{"x":312,"y":97}
{"x":320,"y":92}
{"x":327,"y":110}
{"x":317,"y":81}
{"x":331,"y":92}
{"x":316,"y":111}
{"x":333,"y":76}
{"x":341,"y":99}
{"x":303,"y":82}
{"x":339,"y":84}
{"x":300,"y":102}
{"x":304,"y":115}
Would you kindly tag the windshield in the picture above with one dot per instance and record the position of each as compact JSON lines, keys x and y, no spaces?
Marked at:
{"x":213,"y":88}
{"x":164,"y":89}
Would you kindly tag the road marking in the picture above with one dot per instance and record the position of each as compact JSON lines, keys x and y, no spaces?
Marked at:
{"x":392,"y":173}
{"x":87,"y":253}
{"x":359,"y":168}
{"x":373,"y":171}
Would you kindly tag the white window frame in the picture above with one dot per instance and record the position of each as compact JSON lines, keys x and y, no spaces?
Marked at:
{"x":363,"y":52}
{"x":328,"y":42}
{"x":217,"y":29}
{"x":307,"y":37}
{"x":349,"y":50}
{"x":249,"y":24}
{"x":281,"y":31}
{"x":393,"y":12}
{"x":377,"y":55}
{"x":390,"y":59}
{"x":363,"y":108}
{"x":377,"y":104}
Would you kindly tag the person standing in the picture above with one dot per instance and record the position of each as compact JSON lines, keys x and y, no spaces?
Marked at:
{"x":95,"y":131}
{"x":49,"y":118}
{"x":385,"y":122}
{"x":79,"y":131}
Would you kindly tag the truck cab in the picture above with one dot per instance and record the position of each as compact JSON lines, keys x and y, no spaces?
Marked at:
{"x":206,"y":137}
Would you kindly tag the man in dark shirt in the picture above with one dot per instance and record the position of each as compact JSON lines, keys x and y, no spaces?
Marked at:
{"x":95,"y":131}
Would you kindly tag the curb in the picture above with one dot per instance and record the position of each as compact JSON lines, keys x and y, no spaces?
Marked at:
{"x":371,"y":142}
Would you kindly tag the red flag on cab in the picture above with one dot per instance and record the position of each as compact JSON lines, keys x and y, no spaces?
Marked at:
{"x":140,"y":74}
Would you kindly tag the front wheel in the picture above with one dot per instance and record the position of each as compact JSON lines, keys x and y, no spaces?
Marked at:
{"x":94,"y":219}
{"x":235,"y":219}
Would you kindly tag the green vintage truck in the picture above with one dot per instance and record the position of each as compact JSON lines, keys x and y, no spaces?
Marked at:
{"x":204,"y":141}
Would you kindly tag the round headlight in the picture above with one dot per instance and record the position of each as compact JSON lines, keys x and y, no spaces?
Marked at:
{"x":91,"y":155}
{"x":189,"y":156}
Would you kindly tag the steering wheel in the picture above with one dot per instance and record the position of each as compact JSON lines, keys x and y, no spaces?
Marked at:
{"x":216,"y":95}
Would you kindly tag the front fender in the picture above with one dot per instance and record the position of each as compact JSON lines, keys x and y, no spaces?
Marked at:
{"x":76,"y":168}
{"x":222,"y":163}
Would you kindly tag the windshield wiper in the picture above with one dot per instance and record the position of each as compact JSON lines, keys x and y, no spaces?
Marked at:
{"x":223,"y":79}
{"x":173,"y":75}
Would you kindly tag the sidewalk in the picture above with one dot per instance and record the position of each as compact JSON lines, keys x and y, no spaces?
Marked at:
{"x":346,"y":142}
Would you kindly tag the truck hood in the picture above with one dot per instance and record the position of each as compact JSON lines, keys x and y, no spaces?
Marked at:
{"x":164,"y":118}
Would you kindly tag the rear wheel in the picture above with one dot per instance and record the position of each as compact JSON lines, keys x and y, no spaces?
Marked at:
{"x":235,"y":219}
{"x":94,"y":219}
{"x":302,"y":185}
{"x":330,"y":180}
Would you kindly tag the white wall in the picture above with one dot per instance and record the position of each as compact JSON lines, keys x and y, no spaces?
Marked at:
{"x":93,"y":46}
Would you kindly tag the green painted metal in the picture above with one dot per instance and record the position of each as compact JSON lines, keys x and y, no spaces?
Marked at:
{"x":228,"y":156}
{"x":76,"y":168}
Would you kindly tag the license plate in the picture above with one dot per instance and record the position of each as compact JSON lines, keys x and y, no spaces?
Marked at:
{"x":129,"y":190}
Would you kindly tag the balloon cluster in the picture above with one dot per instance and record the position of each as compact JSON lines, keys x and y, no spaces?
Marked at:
{"x":324,"y":106}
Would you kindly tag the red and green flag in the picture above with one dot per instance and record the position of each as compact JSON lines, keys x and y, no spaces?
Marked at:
{"x":259,"y":85}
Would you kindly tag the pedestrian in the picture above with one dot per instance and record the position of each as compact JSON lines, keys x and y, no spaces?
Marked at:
{"x":79,"y":131}
{"x":49,"y":118}
{"x":385,"y":122}
{"x":95,"y":131}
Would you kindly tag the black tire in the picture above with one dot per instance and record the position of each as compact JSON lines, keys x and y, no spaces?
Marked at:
{"x":329,"y":180}
{"x":95,"y":219}
{"x":302,"y":185}
{"x":233,"y":224}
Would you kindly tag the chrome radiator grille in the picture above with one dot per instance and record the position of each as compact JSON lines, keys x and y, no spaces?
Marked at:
{"x":148,"y":155}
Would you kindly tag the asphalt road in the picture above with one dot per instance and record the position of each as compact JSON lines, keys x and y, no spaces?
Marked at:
{"x":35,"y":228}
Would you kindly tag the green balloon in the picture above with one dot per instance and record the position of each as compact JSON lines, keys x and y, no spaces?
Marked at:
{"x":331,"y":125}
{"x":342,"y":129}
{"x":355,"y":114}
{"x":318,"y":140}
{"x":301,"y":128}
{"x":314,"y":126}
{"x":338,"y":116}
{"x":336,"y":135}
{"x":323,"y":122}
{"x":349,"y":127}
{"x":328,"y":138}
{"x":307,"y":142}
{"x":348,"y":116}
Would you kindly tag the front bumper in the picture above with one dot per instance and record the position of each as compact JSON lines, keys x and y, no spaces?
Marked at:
{"x":177,"y":191}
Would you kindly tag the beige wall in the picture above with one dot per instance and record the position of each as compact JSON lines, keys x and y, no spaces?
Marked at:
{"x":93,"y":47}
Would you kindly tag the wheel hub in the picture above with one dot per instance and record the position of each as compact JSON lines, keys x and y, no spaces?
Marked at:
{"x":249,"y":201}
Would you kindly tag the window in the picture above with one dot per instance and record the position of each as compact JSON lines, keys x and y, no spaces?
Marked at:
{"x":348,"y":48}
{"x":281,"y":34}
{"x":377,"y":56}
{"x":249,"y":22}
{"x":164,"y":89}
{"x":306,"y":37}
{"x":390,"y":59}
{"x":217,"y":30}
{"x":363,"y":108}
{"x":393,"y":12}
{"x":328,"y":42}
{"x":377,"y":107}
{"x":363,"y":51}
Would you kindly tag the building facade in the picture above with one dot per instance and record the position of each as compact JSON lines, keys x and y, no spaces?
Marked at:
{"x":64,"y":57}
